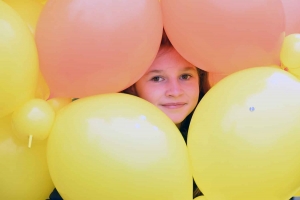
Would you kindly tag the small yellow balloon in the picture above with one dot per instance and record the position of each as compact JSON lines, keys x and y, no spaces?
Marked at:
{"x":35,"y":118}
{"x":118,"y":146}
{"x":242,"y":137}
{"x":290,"y":54}
{"x":24,"y":172}
{"x":59,"y":103}
{"x":18,"y":61}
{"x":29,"y":11}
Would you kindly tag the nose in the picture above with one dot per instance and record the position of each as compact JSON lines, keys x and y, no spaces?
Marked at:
{"x":174,"y":89}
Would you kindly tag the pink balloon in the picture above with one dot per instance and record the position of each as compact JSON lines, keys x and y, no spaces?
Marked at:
{"x":225,"y":36}
{"x":292,"y":16}
{"x":96,"y":46}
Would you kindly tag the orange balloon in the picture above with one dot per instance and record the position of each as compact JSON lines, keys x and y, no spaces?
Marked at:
{"x":225,"y":36}
{"x":292,"y":16}
{"x":97,"y":46}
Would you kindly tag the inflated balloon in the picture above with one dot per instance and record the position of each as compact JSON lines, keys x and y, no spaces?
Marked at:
{"x":18,"y":61}
{"x":290,"y":54}
{"x":42,"y":90}
{"x":225,"y":36}
{"x":97,"y":46}
{"x":29,"y":10}
{"x":34,"y":120}
{"x":118,"y":146}
{"x":200,"y":198}
{"x":241,"y":135}
{"x":214,"y":78}
{"x":292,"y":16}
{"x":59,"y":103}
{"x":24,"y":172}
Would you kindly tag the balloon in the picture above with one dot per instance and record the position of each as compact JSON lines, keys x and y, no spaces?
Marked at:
{"x":118,"y":146}
{"x":59,"y":103}
{"x":225,"y":36}
{"x":97,"y":46}
{"x":292,"y":16}
{"x":29,"y":10}
{"x":200,"y":198}
{"x":42,"y":91}
{"x":24,"y":172}
{"x":34,"y":119}
{"x":214,"y":78}
{"x":241,"y":137}
{"x":290,"y":54}
{"x":18,"y":61}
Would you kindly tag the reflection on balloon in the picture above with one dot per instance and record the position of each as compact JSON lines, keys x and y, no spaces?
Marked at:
{"x":24,"y":172}
{"x":241,"y":137}
{"x":225,"y":36}
{"x":118,"y":146}
{"x":18,"y":61}
{"x":290,"y":54}
{"x":86,"y":50}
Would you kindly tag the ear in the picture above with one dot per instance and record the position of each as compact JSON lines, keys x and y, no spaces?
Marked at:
{"x":131,"y":90}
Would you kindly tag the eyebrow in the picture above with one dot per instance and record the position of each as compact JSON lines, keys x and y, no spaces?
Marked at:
{"x":183,"y":70}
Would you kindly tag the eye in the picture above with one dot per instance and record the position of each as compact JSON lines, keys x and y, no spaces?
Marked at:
{"x":185,"y":76}
{"x":157,"y":79}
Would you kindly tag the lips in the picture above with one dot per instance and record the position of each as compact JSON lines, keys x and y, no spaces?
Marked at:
{"x":175,"y":105}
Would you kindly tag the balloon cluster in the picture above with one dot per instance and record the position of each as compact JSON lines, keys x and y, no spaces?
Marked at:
{"x":106,"y":145}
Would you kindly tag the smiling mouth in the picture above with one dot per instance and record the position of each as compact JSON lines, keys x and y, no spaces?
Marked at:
{"x":173,"y":105}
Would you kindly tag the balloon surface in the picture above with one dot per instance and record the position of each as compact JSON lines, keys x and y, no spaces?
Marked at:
{"x":18,"y":61}
{"x":59,"y":103}
{"x":42,"y":90}
{"x":24,"y":171}
{"x":118,"y":146}
{"x":292,"y":16}
{"x":290,"y":54}
{"x":97,"y":46}
{"x":29,"y":11}
{"x":34,"y":118}
{"x":242,"y":135}
{"x":225,"y":36}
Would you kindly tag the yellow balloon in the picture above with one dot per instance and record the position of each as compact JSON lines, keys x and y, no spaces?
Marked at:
{"x":24,"y":172}
{"x":35,"y":118}
{"x":200,"y":198}
{"x":42,"y":91}
{"x":243,"y":135}
{"x":29,"y":10}
{"x":118,"y":146}
{"x":290,"y":54}
{"x":297,"y":194}
{"x":59,"y":103}
{"x":18,"y":61}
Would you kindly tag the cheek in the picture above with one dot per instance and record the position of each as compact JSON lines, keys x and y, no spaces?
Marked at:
{"x":147,"y":93}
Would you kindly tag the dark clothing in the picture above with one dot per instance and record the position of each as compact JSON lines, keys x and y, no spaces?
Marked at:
{"x":55,"y":195}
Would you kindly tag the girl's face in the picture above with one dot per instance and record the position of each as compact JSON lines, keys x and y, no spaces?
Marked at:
{"x":171,"y":83}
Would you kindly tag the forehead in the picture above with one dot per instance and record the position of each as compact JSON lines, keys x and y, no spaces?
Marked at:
{"x":168,"y":57}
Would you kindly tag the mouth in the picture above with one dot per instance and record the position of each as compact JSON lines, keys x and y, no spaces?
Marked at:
{"x":173,"y":105}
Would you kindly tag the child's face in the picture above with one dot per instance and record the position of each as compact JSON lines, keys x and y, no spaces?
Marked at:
{"x":171,"y":83}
